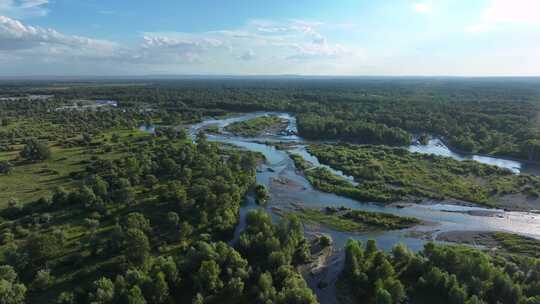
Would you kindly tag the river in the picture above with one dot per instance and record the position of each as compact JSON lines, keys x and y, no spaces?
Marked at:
{"x":296,"y":190}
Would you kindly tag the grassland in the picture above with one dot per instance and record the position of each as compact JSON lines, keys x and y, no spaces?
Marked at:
{"x":32,"y":180}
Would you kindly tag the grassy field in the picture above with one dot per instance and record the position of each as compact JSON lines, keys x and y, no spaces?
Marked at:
{"x":32,"y":180}
{"x":343,"y":219}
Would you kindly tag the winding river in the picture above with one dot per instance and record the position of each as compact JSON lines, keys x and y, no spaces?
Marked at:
{"x":288,"y":189}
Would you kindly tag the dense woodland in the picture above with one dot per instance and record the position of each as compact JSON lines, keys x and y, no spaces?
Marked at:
{"x":438,"y":274}
{"x":94,"y":210}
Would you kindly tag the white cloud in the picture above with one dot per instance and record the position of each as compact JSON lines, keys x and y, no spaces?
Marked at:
{"x":507,"y":12}
{"x":262,"y":46}
{"x":14,"y":35}
{"x":23,"y":8}
{"x":291,"y":40}
{"x":422,"y":7}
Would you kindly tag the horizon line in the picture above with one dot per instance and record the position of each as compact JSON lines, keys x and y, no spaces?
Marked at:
{"x":158,"y":76}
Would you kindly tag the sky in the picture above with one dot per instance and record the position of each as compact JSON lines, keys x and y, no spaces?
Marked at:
{"x":278,"y":37}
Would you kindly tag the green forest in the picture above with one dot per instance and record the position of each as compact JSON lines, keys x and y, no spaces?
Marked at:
{"x":122,"y":204}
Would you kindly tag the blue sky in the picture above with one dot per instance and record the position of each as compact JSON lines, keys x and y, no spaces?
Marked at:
{"x":242,"y":37}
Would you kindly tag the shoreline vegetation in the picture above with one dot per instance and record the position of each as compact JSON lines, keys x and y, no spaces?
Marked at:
{"x":495,"y":242}
{"x":356,"y":221}
{"x":388,"y":175}
{"x":258,"y":126}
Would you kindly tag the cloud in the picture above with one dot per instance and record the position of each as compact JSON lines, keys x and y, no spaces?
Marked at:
{"x":507,"y":12}
{"x":422,"y":7}
{"x":17,"y":37}
{"x":174,"y":48}
{"x":266,"y":45}
{"x":23,"y":8}
{"x":290,"y":40}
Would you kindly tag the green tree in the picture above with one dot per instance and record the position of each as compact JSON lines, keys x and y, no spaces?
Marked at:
{"x":383,"y":297}
{"x":160,"y":289}
{"x":137,"y":247}
{"x":136,"y":220}
{"x":11,"y":291}
{"x":35,"y":151}
{"x":66,"y":297}
{"x":42,"y":280}
{"x":124,"y":193}
{"x":103,"y":292}
{"x":207,"y":278}
{"x":135,"y":296}
{"x":266,"y":292}
{"x":6,"y":167}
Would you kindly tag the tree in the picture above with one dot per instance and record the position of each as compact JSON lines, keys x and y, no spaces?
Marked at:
{"x":11,"y":291}
{"x":135,"y":296}
{"x":137,"y":247}
{"x":266,"y":292}
{"x":103,"y":292}
{"x":160,"y":289}
{"x":35,"y":151}
{"x":42,"y":280}
{"x":383,"y":297}
{"x":66,"y":297}
{"x":295,"y":290}
{"x":86,"y":139}
{"x":136,"y":220}
{"x":173,"y":219}
{"x":98,"y":185}
{"x":503,"y":290}
{"x":14,"y":204}
{"x":261,"y":193}
{"x":198,"y":299}
{"x":207,"y":278}
{"x":124,"y":193}
{"x":40,"y":248}
{"x":6,"y":167}
{"x":60,"y":197}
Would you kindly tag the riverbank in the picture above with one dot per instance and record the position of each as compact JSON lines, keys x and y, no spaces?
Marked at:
{"x":497,"y":242}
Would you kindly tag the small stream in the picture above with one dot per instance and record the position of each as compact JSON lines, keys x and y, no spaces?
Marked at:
{"x":288,"y":188}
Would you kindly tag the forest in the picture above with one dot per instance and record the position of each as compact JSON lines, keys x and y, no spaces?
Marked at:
{"x":122,"y":204}
{"x":437,"y":274}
